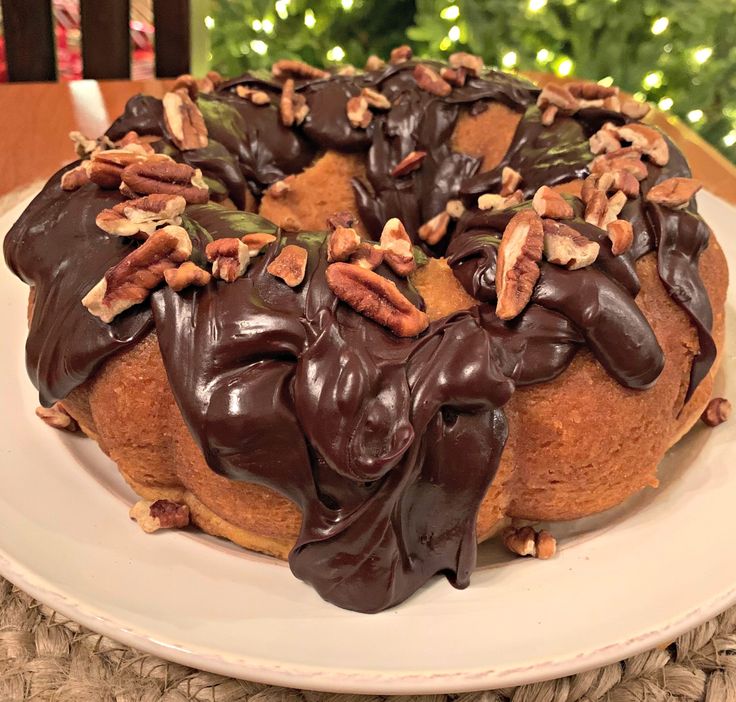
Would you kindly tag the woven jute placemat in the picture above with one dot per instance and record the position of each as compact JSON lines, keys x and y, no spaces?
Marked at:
{"x":45,"y":656}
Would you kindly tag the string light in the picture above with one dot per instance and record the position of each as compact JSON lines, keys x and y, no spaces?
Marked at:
{"x":544,"y":56}
{"x":665,"y":103}
{"x":445,"y":44}
{"x":282,"y":8}
{"x":660,"y":24}
{"x":653,"y":79}
{"x":309,"y":19}
{"x":730,"y":138}
{"x":256,"y":24}
{"x":260,"y":47}
{"x":536,"y":5}
{"x":346,"y":4}
{"x":564,"y":67}
{"x":209,"y":22}
{"x":509,"y":59}
{"x":606,"y":82}
{"x":695,"y":115}
{"x":267,"y":25}
{"x":451,"y":12}
{"x":703,"y":54}
{"x":454,"y":33}
{"x":336,"y":53}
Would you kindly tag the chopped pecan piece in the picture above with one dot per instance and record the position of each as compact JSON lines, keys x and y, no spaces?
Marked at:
{"x":188,"y":273}
{"x":76,"y":177}
{"x":230,"y":258}
{"x":340,"y":219}
{"x":635,"y":109}
{"x":587,"y":90}
{"x":621,"y":234}
{"x":375,"y":99}
{"x":454,"y":76}
{"x":610,"y":181}
{"x":549,"y":203}
{"x":612,"y":103}
{"x":287,"y":68}
{"x":627,"y":159}
{"x":605,"y":140}
{"x":374,"y":63}
{"x":187,"y":83}
{"x":434,"y":229}
{"x":141,"y":216}
{"x":401,"y":54}
{"x":184,"y":121}
{"x":257,"y":97}
{"x":495,"y":202}
{"x":455,"y":208}
{"x":215,"y":78}
{"x":526,"y":541}
{"x":280,"y":187}
{"x":358,"y":113}
{"x":368,"y":256}
{"x":517,"y":265}
{"x":84,"y":146}
{"x":293,"y":106}
{"x":57,"y":417}
{"x":397,"y":249}
{"x":470,"y":62}
{"x":342,"y":243}
{"x":558,"y":96}
{"x":601,"y":210}
{"x":290,"y":265}
{"x":131,"y":281}
{"x":565,"y":246}
{"x":132,"y":137}
{"x":167,"y":177}
{"x":675,"y":193}
{"x":106,"y":167}
{"x":257,"y":241}
{"x":510,"y":180}
{"x":717,"y":412}
{"x":347,"y":70}
{"x":429,"y":80}
{"x":648,"y":140}
{"x":377,"y":298}
{"x":548,"y":115}
{"x":409,"y":163}
{"x":161,"y":514}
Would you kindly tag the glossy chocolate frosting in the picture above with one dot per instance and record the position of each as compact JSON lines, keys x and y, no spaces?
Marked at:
{"x":388,"y":445}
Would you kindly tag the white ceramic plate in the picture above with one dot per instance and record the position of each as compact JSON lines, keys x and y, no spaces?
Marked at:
{"x":623,"y":582}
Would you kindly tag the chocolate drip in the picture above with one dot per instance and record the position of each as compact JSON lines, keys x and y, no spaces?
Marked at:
{"x":387,"y":445}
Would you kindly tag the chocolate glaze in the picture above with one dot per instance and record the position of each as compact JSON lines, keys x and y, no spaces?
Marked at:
{"x":387,"y":445}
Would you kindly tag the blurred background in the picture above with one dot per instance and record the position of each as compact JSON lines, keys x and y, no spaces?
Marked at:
{"x":678,"y":54}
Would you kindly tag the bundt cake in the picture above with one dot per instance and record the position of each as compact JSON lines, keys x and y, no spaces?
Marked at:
{"x":361,"y":319}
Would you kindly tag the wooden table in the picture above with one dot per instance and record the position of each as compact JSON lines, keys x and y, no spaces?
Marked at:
{"x":38,"y":117}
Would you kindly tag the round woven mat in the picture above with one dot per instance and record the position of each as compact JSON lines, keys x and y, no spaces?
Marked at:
{"x":44,"y":656}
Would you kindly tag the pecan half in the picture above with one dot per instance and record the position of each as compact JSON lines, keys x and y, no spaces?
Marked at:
{"x":526,"y":541}
{"x":184,"y":121}
{"x":257,"y":97}
{"x":230,"y":258}
{"x":431,"y":81}
{"x":76,"y":177}
{"x":434,"y":229}
{"x":131,"y":281}
{"x":342,"y":243}
{"x":375,"y":99}
{"x":496,"y":203}
{"x":565,"y":246}
{"x":376,"y":297}
{"x":106,"y":167}
{"x":455,"y":208}
{"x":374,"y":63}
{"x":510,"y":180}
{"x":358,"y":113}
{"x":141,"y":216}
{"x":627,"y":159}
{"x":717,"y":412}
{"x":675,"y":193}
{"x":368,"y":256}
{"x":517,"y":264}
{"x":409,"y":163}
{"x":401,"y":54}
{"x":257,"y":241}
{"x":168,"y":177}
{"x":648,"y":140}
{"x":293,"y":106}
{"x":161,"y":514}
{"x":57,"y":417}
{"x":290,"y":265}
{"x":397,"y":249}
{"x":288,"y":68}
{"x":187,"y":83}
{"x":470,"y":62}
{"x":188,"y":273}
{"x":549,"y":203}
{"x":621,"y":234}
{"x":454,"y":76}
